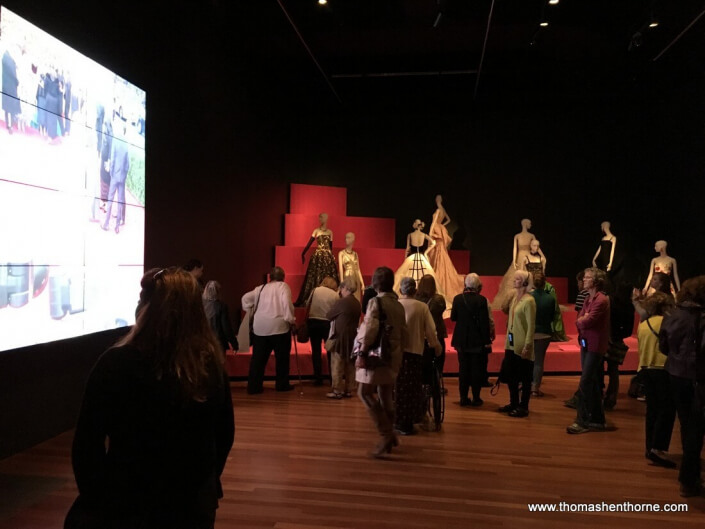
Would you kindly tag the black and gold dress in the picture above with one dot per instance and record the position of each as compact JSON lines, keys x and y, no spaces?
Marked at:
{"x":320,"y":265}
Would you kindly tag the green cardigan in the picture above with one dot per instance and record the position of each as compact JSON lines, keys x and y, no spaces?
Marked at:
{"x":522,"y":324}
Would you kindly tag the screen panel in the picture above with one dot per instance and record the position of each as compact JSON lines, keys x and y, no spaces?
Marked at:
{"x":72,"y":181}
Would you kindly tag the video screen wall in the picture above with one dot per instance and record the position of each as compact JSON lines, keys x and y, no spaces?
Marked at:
{"x":72,"y":190}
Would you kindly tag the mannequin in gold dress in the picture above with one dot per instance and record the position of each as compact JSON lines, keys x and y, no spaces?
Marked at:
{"x":349,"y":264}
{"x":447,"y":278}
{"x":322,"y":262}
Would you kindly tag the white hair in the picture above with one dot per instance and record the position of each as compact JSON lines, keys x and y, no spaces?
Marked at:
{"x":472,"y":281}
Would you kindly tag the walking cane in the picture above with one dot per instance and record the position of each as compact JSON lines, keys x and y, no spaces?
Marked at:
{"x":298,"y":368}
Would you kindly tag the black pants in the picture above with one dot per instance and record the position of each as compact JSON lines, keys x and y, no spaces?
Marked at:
{"x":612,"y":383}
{"x":590,"y":407}
{"x":471,"y":373}
{"x":660,"y":409}
{"x":318,"y":331}
{"x":262,"y":347}
{"x":521,"y":372}
{"x":690,"y":416}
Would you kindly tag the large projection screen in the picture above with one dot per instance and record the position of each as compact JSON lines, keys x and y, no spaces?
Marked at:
{"x":72,"y":181}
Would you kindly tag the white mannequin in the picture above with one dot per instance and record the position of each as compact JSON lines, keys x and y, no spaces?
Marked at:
{"x":440,"y":216}
{"x":663,"y":263}
{"x":349,"y":264}
{"x":535,"y":256}
{"x":608,"y":236}
{"x":522,"y":243}
{"x":417,"y":237}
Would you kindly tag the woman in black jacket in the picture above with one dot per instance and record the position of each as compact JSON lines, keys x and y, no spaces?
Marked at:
{"x":156,"y":423}
{"x":682,"y":340}
{"x":472,"y":338}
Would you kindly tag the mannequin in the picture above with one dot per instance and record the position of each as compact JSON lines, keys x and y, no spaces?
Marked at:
{"x":416,"y":264}
{"x":666,"y":264}
{"x":447,"y":278}
{"x":322,"y":262}
{"x":535,"y":261}
{"x":605,"y":251}
{"x":520,"y":253}
{"x":349,"y":264}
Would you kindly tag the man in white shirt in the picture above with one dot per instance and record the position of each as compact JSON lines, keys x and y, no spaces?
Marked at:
{"x":273,"y":320}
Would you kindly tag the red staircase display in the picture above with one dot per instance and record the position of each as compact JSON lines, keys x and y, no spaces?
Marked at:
{"x":374,"y":243}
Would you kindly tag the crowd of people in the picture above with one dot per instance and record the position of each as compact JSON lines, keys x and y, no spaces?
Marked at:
{"x":162,"y":393}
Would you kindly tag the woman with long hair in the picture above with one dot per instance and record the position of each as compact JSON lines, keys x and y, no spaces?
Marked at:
{"x":156,"y":423}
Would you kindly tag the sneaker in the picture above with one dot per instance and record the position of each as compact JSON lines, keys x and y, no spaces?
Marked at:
{"x":334,"y":395}
{"x":575,"y":428}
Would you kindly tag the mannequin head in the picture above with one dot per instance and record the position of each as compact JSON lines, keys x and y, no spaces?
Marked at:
{"x":534,"y":246}
{"x":439,"y":200}
{"x":349,"y":238}
{"x":418,"y":225}
{"x":605,"y":226}
{"x":525,"y":224}
{"x":660,"y":246}
{"x":323,"y":218}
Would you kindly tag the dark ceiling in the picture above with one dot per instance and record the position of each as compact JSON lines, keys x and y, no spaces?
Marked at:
{"x":485,"y":45}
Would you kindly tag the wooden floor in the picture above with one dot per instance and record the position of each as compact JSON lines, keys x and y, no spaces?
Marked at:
{"x":300,"y":461}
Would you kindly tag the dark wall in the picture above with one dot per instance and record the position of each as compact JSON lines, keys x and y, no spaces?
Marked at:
{"x":229,"y":126}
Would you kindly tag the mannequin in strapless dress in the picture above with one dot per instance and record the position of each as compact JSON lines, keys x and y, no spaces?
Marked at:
{"x":416,"y":264}
{"x":666,"y":264}
{"x":322,"y":262}
{"x":604,"y":257}
{"x":520,"y":252}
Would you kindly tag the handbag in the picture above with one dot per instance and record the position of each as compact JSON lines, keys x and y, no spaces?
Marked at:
{"x":505,"y":374}
{"x":617,"y":351}
{"x":380,"y":352}
{"x":302,"y":333}
{"x":332,"y":341}
{"x":252,"y":316}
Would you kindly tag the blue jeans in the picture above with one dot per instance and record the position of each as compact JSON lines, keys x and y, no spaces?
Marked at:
{"x":590,"y":408}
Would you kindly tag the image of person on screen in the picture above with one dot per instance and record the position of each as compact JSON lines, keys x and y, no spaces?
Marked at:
{"x":54,"y":103}
{"x":10,"y":82}
{"x":105,"y":145}
{"x":119,"y":166}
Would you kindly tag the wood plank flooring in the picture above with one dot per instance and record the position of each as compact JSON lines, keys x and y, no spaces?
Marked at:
{"x":300,"y":461}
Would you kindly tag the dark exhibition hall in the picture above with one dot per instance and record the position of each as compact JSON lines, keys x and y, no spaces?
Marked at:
{"x":467,"y":230}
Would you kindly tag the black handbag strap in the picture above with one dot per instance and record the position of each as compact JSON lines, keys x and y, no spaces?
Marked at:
{"x":252,"y":318}
{"x":651,"y":328}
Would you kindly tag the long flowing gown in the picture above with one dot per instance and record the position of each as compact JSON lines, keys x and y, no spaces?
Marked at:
{"x":448,"y":280}
{"x":416,"y":265}
{"x":350,"y":263}
{"x":505,"y":287}
{"x":320,"y":265}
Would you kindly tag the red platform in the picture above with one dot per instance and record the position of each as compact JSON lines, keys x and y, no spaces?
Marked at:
{"x":374,"y":243}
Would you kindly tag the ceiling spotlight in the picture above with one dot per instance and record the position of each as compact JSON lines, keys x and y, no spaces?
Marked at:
{"x":322,"y":2}
{"x":653,"y":23}
{"x":553,"y":2}
{"x":543,"y":23}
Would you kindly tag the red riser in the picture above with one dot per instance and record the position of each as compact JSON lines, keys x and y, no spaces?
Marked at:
{"x":312,"y":200}
{"x":560,"y":357}
{"x":370,"y":232}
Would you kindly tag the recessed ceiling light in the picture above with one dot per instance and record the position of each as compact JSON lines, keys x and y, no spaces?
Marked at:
{"x":322,"y":2}
{"x":543,"y":24}
{"x":553,"y":2}
{"x":653,"y":24}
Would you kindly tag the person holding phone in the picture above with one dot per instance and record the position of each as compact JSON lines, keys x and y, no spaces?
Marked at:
{"x":593,"y":325}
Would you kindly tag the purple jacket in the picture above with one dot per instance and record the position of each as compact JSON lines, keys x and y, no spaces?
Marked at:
{"x":593,"y":323}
